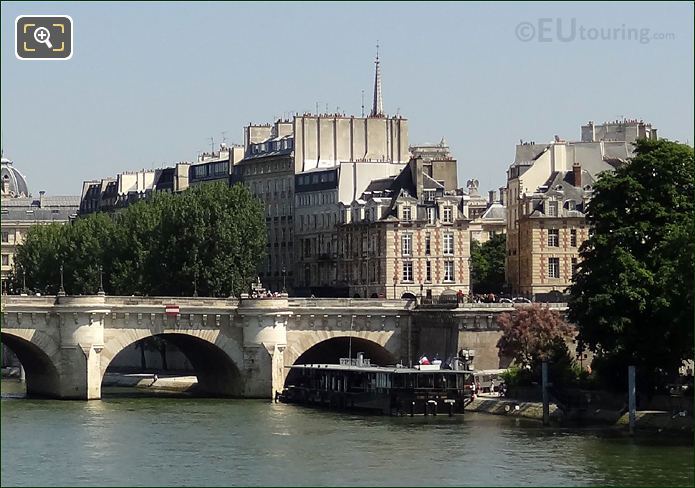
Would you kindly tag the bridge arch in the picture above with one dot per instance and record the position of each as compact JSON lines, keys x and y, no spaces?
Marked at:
{"x":39,"y":355}
{"x":330,"y":346}
{"x":215,"y":357}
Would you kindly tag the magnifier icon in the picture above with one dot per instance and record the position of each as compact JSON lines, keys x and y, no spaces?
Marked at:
{"x":43,"y":36}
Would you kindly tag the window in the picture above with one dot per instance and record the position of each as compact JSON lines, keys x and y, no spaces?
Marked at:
{"x":552,"y":209}
{"x":448,"y":216}
{"x":5,"y":236}
{"x":449,"y":243}
{"x":574,"y":267}
{"x":5,"y":259}
{"x":571,"y":205}
{"x":573,"y":237}
{"x":553,"y":267}
{"x":406,"y":244}
{"x":431,"y":215}
{"x":448,"y":271}
{"x":553,"y":237}
{"x":428,"y":271}
{"x":407,"y":213}
{"x":428,"y":246}
{"x":407,"y":271}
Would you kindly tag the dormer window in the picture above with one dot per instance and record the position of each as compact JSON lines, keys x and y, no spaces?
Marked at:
{"x":571,"y":205}
{"x":407,"y":216}
{"x":448,"y":214}
{"x":552,"y":208}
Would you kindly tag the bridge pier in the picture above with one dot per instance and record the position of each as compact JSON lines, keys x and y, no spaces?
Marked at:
{"x":81,"y":322}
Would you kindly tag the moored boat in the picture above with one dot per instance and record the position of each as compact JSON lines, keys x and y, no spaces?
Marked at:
{"x":356,"y":384}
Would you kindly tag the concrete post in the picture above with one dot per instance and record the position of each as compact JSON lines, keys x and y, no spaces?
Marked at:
{"x":546,"y":404}
{"x":631,"y":397}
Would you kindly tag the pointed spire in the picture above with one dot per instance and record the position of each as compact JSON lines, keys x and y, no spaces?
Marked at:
{"x":378,"y":105}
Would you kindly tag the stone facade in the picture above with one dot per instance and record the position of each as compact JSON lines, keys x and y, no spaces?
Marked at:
{"x":546,"y":172}
{"x":407,"y":238}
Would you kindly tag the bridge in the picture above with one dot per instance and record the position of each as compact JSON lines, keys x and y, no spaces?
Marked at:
{"x":238,"y":348}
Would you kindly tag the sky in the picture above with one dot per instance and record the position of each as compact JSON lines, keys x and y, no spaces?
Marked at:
{"x":150,"y":83}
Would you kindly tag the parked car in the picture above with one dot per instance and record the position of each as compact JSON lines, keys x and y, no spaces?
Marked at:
{"x":521,"y":300}
{"x":505,"y":300}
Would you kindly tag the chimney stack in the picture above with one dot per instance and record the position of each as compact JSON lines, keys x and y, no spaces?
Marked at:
{"x":577,"y":170}
{"x":41,"y":194}
{"x":491,"y":197}
{"x":503,"y":192}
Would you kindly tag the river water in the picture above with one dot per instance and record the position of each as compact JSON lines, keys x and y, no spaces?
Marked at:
{"x":131,"y":439}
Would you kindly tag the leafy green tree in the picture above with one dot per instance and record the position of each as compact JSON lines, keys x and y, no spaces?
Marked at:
{"x":632,"y":298}
{"x":208,"y":239}
{"x":487,"y":264}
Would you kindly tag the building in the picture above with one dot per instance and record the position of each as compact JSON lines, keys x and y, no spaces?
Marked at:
{"x":406,"y":236}
{"x":534,"y":175}
{"x":551,"y":228}
{"x":21,"y":211}
{"x":113,"y":193}
{"x":302,"y":169}
{"x":215,"y":165}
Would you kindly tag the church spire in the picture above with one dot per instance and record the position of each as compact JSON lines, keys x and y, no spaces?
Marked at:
{"x":378,"y":105}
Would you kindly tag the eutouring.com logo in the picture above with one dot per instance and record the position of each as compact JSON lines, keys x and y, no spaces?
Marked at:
{"x":569,"y":30}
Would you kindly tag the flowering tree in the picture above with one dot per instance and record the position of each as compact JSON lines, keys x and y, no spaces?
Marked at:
{"x":534,"y":334}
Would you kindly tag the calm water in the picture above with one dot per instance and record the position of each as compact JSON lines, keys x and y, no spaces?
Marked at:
{"x":136,"y":440}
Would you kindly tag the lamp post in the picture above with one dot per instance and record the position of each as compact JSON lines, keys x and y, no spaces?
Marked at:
{"x":284,"y":280}
{"x":101,"y":281}
{"x":232,"y":293}
{"x":470,"y":276}
{"x":61,"y":291}
{"x":195,"y":283}
{"x":24,"y":281}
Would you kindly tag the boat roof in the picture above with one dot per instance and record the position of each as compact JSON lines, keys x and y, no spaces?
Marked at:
{"x":377,"y":369}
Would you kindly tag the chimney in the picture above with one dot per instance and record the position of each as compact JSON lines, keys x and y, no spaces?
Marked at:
{"x":41,"y":194}
{"x":491,"y":197}
{"x":417,"y":166}
{"x":503,"y":192}
{"x":577,"y":170}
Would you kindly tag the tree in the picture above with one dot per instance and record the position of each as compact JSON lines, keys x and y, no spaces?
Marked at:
{"x":632,"y":298}
{"x":534,"y":334}
{"x":209,"y":238}
{"x":487,"y":264}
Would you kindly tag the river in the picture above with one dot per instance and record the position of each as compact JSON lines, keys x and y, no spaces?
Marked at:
{"x":132,"y":439}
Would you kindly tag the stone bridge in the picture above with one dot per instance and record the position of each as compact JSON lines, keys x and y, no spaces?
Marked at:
{"x":238,"y":348}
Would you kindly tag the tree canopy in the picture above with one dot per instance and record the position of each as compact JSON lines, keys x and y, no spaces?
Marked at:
{"x":487,"y":264}
{"x":632,"y":298}
{"x":533,"y":334}
{"x":208,"y":239}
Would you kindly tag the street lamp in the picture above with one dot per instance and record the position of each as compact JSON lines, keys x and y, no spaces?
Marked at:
{"x":284,"y":280}
{"x":101,"y":281}
{"x":195,"y":283}
{"x":24,"y":280}
{"x":61,"y":291}
{"x":470,"y":277}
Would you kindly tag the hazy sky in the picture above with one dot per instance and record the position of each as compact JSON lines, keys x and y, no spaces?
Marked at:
{"x":149,"y":84}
